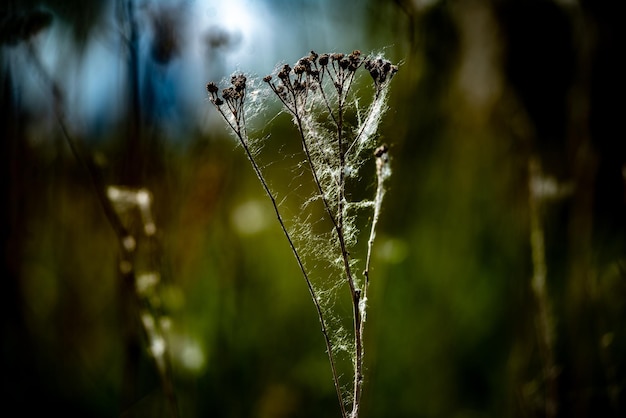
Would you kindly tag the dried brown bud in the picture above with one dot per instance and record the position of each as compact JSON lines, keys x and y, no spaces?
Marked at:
{"x":267,"y":78}
{"x":355,"y":60}
{"x":284,"y":72}
{"x":381,"y":151}
{"x":211,"y":88}
{"x":306,"y":63}
{"x":239,"y":82}
{"x":323,"y":59}
{"x":381,"y":70}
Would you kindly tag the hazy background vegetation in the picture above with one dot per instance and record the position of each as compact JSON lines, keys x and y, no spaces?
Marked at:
{"x":482,"y":88}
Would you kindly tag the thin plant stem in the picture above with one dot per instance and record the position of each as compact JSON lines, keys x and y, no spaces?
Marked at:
{"x":241,"y":136}
{"x":382,"y":162}
{"x":355,"y":293}
{"x":339,"y":229}
{"x":328,"y":172}
{"x":544,"y":323}
{"x":309,"y":284}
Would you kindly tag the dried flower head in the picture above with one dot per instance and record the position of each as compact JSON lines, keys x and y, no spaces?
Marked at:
{"x":381,"y":151}
{"x":284,"y":72}
{"x":381,"y":70}
{"x":354,"y":60}
{"x":239,"y":82}
{"x":212,"y":87}
{"x":317,"y":94}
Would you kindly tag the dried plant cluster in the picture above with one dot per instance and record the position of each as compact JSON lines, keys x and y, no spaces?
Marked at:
{"x":337,"y":138}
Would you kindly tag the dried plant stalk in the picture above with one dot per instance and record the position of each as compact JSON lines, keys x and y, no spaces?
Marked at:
{"x":317,"y":93}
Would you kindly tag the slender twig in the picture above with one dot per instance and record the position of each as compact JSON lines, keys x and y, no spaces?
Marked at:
{"x":243,"y":140}
{"x":329,"y":172}
{"x":545,"y":327}
{"x":355,"y":293}
{"x":312,"y":292}
{"x":293,"y":109}
{"x":338,"y":221}
{"x":382,"y":172}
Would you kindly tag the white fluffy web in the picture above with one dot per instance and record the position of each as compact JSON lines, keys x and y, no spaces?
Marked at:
{"x":306,"y":171}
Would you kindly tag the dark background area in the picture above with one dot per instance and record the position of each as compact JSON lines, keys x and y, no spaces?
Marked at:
{"x":454,"y":324}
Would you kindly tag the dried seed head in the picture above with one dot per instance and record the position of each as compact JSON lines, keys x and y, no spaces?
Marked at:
{"x":299,"y":69}
{"x":381,"y":70}
{"x":306,"y":63}
{"x":239,"y":82}
{"x":323,"y":59}
{"x":313,"y":56}
{"x":337,"y":56}
{"x":217,"y":101}
{"x":355,"y":60}
{"x":211,"y":88}
{"x":267,"y":78}
{"x":284,"y":72}
{"x":381,"y":151}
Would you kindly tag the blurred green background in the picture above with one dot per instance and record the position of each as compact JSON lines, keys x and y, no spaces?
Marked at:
{"x":483,"y":87}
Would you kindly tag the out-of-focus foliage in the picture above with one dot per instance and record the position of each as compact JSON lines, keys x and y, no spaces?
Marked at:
{"x":454,"y":330}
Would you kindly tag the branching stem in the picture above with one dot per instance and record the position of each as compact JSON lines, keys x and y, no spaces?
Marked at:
{"x":329,"y":155}
{"x":240,"y":133}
